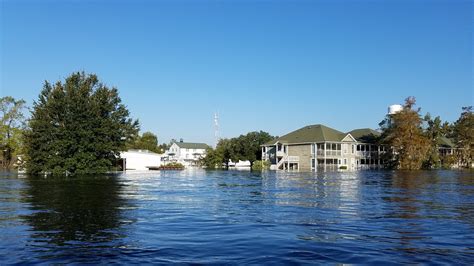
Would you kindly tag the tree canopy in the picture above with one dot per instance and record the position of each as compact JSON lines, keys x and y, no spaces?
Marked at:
{"x":147,"y":141}
{"x":463,"y":131}
{"x":244,"y":147}
{"x":12,"y":124}
{"x":402,"y":132}
{"x":78,"y":126}
{"x":435,"y":129}
{"x":413,"y":142}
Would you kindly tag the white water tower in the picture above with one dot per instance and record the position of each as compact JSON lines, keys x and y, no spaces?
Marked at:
{"x":394,"y":108}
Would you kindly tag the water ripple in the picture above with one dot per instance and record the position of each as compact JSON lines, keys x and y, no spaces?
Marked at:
{"x":217,"y":217}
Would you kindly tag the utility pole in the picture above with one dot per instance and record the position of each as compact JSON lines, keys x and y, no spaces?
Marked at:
{"x":216,"y":128}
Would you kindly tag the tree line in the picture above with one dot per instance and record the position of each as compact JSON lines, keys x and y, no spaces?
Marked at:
{"x":80,"y":126}
{"x":244,"y":147}
{"x":412,"y":140}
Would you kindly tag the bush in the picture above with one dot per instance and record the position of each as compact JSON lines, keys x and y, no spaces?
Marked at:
{"x":171,"y":166}
{"x":260,"y":165}
{"x":343,"y":167}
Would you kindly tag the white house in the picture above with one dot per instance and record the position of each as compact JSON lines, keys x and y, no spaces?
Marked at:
{"x":187,"y":153}
{"x":140,"y":160}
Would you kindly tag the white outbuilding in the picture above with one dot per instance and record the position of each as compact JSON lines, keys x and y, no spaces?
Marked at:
{"x":140,"y":160}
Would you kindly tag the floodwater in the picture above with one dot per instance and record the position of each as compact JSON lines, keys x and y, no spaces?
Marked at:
{"x":238,"y":217}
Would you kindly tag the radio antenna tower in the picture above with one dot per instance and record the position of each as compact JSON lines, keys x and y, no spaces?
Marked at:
{"x":216,"y":128}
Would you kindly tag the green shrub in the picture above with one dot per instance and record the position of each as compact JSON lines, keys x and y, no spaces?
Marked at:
{"x":260,"y":165}
{"x":343,"y":167}
{"x":172,"y":166}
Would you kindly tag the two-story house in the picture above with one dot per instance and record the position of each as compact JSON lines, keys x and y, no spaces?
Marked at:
{"x":320,"y":147}
{"x":187,"y":153}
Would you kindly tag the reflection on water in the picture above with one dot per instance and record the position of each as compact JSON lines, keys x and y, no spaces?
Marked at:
{"x":243,"y":217}
{"x":71,"y":216}
{"x":74,"y":209}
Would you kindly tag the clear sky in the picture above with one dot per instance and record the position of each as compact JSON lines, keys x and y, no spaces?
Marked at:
{"x":263,"y":65}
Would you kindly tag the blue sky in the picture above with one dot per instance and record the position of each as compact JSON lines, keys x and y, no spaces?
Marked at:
{"x":263,"y":65}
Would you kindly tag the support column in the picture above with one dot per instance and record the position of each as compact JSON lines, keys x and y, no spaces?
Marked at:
{"x":378,"y":156}
{"x":325,"y":152}
{"x":370,"y":155}
{"x":315,"y":157}
{"x":287,"y":156}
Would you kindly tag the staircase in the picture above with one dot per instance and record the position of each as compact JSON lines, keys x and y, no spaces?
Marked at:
{"x":282,"y":161}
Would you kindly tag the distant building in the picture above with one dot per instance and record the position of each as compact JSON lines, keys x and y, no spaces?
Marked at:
{"x":139,"y":160}
{"x":187,"y":153}
{"x":239,"y":164}
{"x":446,"y":146}
{"x":449,"y":154}
{"x":320,"y":147}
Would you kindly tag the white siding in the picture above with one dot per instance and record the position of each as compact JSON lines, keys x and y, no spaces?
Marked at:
{"x":138,"y":160}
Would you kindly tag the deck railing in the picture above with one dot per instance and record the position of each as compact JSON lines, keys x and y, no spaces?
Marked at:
{"x":329,"y":153}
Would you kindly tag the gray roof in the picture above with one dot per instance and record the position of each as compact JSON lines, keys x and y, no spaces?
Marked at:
{"x":192,"y":145}
{"x":310,"y":134}
{"x":367,"y":135}
{"x":445,"y":142}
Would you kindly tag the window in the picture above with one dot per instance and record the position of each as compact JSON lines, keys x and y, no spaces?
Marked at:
{"x":352,"y":149}
{"x":345,"y":161}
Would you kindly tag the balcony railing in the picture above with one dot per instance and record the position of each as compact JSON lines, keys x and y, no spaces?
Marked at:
{"x":329,"y":153}
{"x":280,"y":153}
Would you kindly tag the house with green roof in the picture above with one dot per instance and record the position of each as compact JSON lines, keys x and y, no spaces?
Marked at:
{"x":446,"y":146}
{"x":318,"y":146}
{"x":187,"y":153}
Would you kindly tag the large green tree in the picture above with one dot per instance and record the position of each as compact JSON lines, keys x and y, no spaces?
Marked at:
{"x":248,"y":146}
{"x":12,"y":124}
{"x":464,"y":136}
{"x":147,"y":141}
{"x":403,"y":134}
{"x":220,"y":156}
{"x":78,"y":126}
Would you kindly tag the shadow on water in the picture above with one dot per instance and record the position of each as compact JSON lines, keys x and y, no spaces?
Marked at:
{"x":74,"y":217}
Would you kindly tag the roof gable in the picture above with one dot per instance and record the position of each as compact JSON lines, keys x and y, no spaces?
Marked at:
{"x":349,"y":138}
